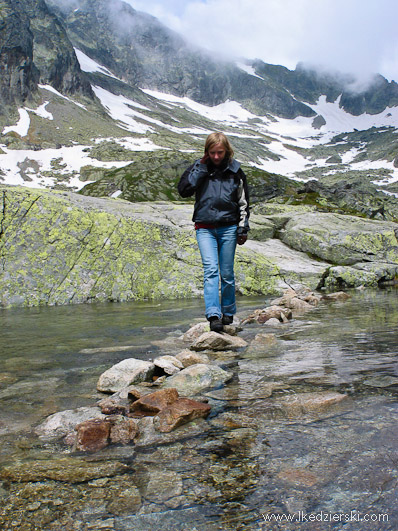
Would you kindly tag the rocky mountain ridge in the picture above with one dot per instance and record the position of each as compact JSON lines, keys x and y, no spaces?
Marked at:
{"x":137,"y":48}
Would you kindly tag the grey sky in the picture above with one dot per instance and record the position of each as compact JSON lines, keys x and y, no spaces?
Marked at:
{"x":357,"y":36}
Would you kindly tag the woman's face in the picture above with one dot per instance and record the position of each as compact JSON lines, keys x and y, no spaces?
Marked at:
{"x":217,"y":154}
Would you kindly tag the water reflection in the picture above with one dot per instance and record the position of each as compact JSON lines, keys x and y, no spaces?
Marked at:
{"x":259,"y":458}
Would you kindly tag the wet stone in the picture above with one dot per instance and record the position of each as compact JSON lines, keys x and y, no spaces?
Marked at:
{"x":127,"y":372}
{"x":162,"y":486}
{"x":216,"y":341}
{"x":123,"y":430}
{"x":169,"y":364}
{"x":197,"y":378}
{"x":299,"y":476}
{"x":180,"y":412}
{"x":128,"y":501}
{"x":68,"y":469}
{"x":118,"y":403}
{"x":189,"y":357}
{"x":148,"y":435}
{"x":154,"y":402}
{"x":62,"y":423}
{"x":92,"y":435}
{"x":313,"y":402}
{"x":196,"y":331}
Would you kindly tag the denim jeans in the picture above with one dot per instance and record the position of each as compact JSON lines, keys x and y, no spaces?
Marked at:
{"x":217,"y":248}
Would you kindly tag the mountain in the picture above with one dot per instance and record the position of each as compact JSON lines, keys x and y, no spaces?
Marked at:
{"x":35,"y":49}
{"x":101,"y":98}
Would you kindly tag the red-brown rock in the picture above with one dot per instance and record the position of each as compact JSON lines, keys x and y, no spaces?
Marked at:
{"x":154,"y":402}
{"x":92,"y":435}
{"x":180,"y":412}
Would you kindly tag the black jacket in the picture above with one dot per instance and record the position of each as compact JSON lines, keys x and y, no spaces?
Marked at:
{"x":221,"y":194}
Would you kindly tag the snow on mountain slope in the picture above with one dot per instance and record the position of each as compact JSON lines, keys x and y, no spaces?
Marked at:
{"x":286,"y":147}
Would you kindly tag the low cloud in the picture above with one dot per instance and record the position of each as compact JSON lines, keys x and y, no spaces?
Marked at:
{"x":352,"y":36}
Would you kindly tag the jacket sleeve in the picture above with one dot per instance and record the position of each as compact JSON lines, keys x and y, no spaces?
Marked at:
{"x":244,"y":208}
{"x":192,"y":178}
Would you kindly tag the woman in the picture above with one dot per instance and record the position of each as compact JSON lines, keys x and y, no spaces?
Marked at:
{"x":221,"y":217}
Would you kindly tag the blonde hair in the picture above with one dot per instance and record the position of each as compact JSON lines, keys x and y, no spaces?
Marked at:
{"x":219,"y":138}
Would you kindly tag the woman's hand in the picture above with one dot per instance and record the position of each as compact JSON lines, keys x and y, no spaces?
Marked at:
{"x":241,"y":239}
{"x":204,"y":159}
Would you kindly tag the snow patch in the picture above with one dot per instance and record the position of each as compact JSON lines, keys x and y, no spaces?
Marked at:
{"x":22,"y":126}
{"x":89,"y":65}
{"x":248,"y":69}
{"x":52,"y":89}
{"x":70,"y":159}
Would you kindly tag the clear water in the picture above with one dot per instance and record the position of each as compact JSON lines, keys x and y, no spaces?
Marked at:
{"x":256,"y":466}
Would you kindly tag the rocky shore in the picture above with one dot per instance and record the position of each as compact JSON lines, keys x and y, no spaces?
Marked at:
{"x":64,"y":248}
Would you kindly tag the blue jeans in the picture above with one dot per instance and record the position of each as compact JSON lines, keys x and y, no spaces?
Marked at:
{"x":217,"y":249}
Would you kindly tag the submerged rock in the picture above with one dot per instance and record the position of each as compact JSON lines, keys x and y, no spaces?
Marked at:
{"x":313,"y":402}
{"x":68,"y":469}
{"x":92,"y":435}
{"x":148,"y":435}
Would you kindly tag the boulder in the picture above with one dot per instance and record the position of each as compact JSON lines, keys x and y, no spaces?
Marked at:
{"x":62,"y":423}
{"x":189,"y":357}
{"x":154,"y":402}
{"x":196,"y":331}
{"x":169,"y":364}
{"x":197,"y":378}
{"x":360,"y":274}
{"x":180,"y":412}
{"x":341,"y":239}
{"x":216,"y":341}
{"x":127,"y":372}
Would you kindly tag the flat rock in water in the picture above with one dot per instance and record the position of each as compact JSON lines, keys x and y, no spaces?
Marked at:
{"x":325,"y":401}
{"x":148,"y":435}
{"x":68,"y":469}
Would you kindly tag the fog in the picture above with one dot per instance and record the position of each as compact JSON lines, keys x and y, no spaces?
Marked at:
{"x":350,"y":36}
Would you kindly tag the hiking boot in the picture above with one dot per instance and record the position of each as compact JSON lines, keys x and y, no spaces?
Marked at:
{"x":216,"y":324}
{"x":227,"y":319}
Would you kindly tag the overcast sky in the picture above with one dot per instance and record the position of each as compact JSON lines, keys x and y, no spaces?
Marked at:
{"x":357,"y":36}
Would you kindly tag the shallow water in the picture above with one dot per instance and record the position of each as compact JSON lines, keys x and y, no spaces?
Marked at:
{"x":257,"y":465}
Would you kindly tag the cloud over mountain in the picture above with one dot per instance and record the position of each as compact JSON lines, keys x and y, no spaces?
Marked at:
{"x":357,"y":37}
